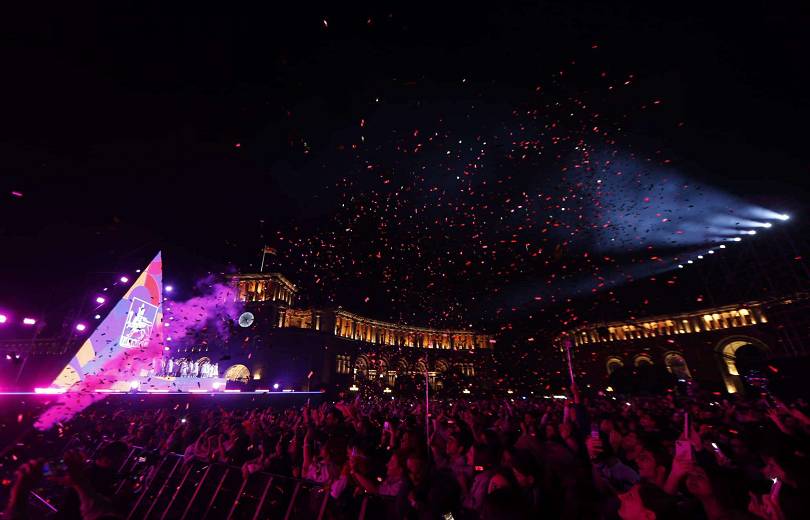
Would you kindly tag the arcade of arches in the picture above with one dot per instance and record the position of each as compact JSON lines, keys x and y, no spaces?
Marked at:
{"x":721,"y":342}
{"x":381,"y":367}
{"x":737,"y":357}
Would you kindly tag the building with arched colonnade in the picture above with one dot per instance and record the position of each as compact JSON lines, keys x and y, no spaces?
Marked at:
{"x":277,"y":342}
{"x":721,"y":347}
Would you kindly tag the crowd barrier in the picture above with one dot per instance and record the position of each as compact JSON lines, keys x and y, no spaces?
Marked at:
{"x":168,"y":488}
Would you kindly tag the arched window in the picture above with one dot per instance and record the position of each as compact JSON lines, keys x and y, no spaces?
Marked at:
{"x":676,"y":364}
{"x":642,"y":359}
{"x":729,"y":359}
{"x":442,"y":365}
{"x":238,"y":373}
{"x":361,"y":365}
{"x":613,"y":363}
{"x":381,"y":364}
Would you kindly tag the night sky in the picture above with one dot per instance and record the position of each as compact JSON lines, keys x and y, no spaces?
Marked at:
{"x":436,"y":163}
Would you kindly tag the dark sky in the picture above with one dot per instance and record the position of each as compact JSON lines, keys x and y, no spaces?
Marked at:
{"x":205,"y":131}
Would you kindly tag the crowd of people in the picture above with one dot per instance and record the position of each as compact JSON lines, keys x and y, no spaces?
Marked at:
{"x":599,"y":456}
{"x":185,"y":368}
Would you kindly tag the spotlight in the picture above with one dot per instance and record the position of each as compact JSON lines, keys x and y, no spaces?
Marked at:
{"x":97,"y":317}
{"x":680,"y":266}
{"x":216,"y":385}
{"x":124,"y":279}
{"x":783,"y":216}
{"x":275,"y":386}
{"x":3,"y":318}
{"x":690,"y":262}
{"x":700,"y":257}
{"x":736,"y":239}
{"x":29,"y":321}
{"x":8,"y":357}
{"x":722,"y":246}
{"x":767,"y":225}
{"x":711,"y":251}
{"x":80,"y":327}
{"x":16,"y":356}
{"x":100,"y":299}
{"x":134,"y":384}
{"x":751,"y":232}
{"x":169,"y":288}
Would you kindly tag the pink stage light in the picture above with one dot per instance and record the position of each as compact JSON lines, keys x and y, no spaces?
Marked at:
{"x":49,"y":390}
{"x":168,"y":288}
{"x":100,"y":299}
{"x":3,"y":318}
{"x":81,"y":327}
{"x":29,"y":321}
{"x":124,"y":279}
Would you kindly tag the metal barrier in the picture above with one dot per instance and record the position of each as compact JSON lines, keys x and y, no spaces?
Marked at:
{"x":154,"y":487}
{"x":173,"y":489}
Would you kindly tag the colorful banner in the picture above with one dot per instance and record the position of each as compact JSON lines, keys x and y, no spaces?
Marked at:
{"x":123,"y":348}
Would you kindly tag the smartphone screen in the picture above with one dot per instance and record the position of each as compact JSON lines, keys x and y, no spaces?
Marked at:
{"x":683,"y":450}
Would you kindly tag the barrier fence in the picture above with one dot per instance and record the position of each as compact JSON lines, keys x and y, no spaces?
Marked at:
{"x":169,"y":488}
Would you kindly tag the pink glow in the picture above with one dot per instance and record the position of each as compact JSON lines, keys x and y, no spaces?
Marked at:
{"x":81,"y":327}
{"x":100,"y":299}
{"x":212,"y":310}
{"x":124,"y":279}
{"x":49,"y":391}
{"x":17,"y":193}
{"x":3,"y":318}
{"x":29,"y":321}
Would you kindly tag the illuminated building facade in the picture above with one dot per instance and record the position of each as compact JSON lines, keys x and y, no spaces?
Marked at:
{"x":720,"y":346}
{"x":332,"y":348}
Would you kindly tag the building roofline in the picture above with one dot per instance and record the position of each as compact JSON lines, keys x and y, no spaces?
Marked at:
{"x":265,"y":276}
{"x":339,"y":311}
{"x":785,"y":300}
